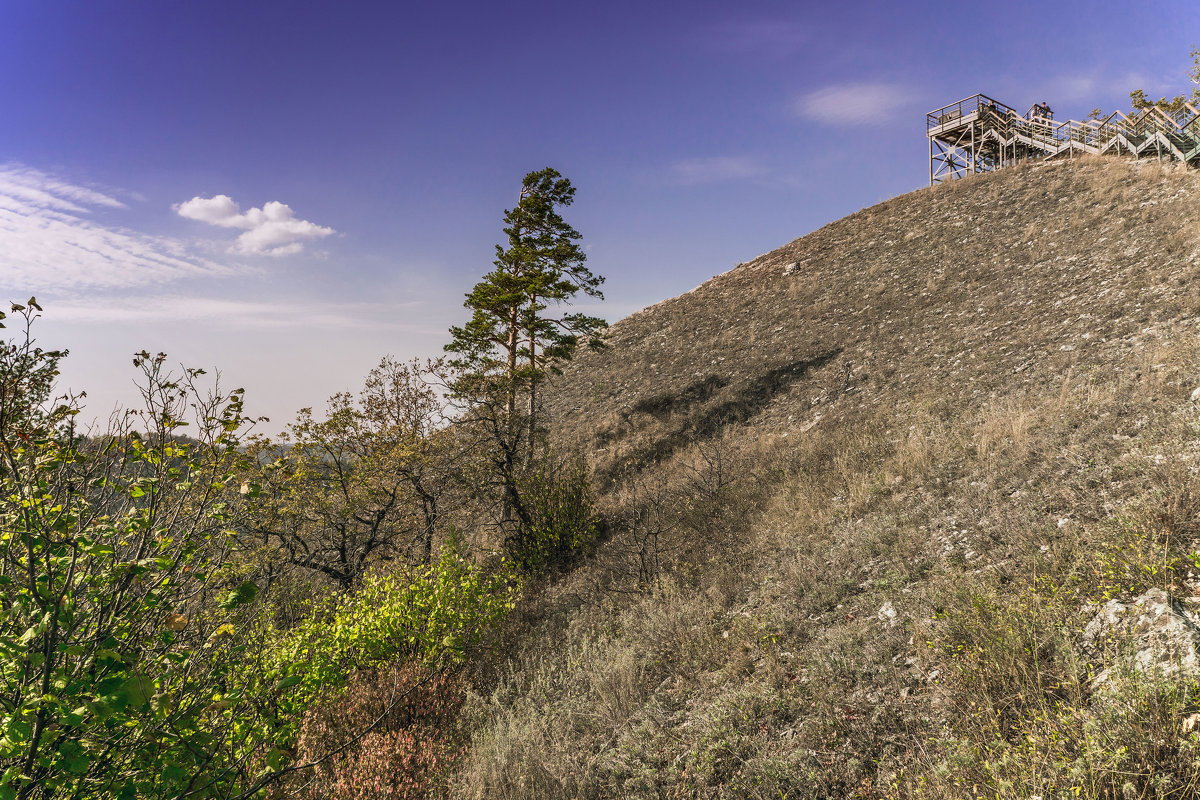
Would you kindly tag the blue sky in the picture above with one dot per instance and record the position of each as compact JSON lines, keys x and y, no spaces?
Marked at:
{"x":289,"y":191}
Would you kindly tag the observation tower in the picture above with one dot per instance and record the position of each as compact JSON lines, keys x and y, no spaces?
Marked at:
{"x":980,"y":134}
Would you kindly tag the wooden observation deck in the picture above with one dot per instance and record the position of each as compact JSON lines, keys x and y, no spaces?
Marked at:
{"x":980,"y":134}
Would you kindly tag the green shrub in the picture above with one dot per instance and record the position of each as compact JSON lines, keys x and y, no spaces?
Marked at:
{"x":428,"y":615}
{"x":118,"y":627}
{"x":563,"y":521}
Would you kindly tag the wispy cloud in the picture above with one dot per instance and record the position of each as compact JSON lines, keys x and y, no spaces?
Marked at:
{"x":692,"y":171}
{"x":49,"y":242}
{"x":272,"y":230}
{"x":231,"y":313}
{"x":760,"y":37}
{"x":1094,"y":88}
{"x":855,"y":103}
{"x":1073,"y":94}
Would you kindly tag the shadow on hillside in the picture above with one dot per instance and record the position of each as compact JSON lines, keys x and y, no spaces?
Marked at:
{"x":662,"y":406}
{"x":700,"y":423}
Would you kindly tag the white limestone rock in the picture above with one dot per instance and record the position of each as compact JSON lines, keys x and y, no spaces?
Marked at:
{"x":1164,"y":638}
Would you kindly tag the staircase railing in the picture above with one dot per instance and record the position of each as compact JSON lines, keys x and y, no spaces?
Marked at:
{"x":975,"y":104}
{"x":1175,"y":133}
{"x":1193,"y":126}
{"x":1190,"y":127}
{"x":1114,"y":125}
{"x":1170,"y":126}
{"x":1085,"y":133}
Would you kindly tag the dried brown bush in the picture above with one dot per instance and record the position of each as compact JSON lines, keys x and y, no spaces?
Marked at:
{"x":389,"y":733}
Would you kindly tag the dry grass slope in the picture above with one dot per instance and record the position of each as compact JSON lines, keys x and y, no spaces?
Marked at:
{"x":861,"y":492}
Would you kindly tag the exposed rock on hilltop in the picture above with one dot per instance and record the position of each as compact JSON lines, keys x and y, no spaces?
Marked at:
{"x":865,"y":494}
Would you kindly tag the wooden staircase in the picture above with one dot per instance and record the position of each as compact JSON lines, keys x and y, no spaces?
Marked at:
{"x":980,"y":134}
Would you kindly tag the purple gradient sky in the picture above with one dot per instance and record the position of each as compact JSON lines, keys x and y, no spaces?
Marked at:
{"x":698,"y":134}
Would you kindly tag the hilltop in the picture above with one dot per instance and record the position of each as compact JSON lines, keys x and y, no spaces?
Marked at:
{"x":867,"y":493}
{"x":974,"y":287}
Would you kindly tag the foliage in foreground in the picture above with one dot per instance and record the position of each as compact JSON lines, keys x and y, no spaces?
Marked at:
{"x":428,"y":615}
{"x":116,"y":623}
{"x":136,"y":660}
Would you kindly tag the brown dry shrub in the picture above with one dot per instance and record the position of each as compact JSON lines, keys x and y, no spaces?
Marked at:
{"x":411,"y":744}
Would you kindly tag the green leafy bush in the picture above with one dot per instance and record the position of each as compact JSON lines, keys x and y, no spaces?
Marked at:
{"x":562,"y":517}
{"x":135,"y":660}
{"x":428,"y":615}
{"x":114,"y":645}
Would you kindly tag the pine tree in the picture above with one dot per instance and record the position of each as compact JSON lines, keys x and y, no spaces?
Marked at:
{"x":514,"y":339}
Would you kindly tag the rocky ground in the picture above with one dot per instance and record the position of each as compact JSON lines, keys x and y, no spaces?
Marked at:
{"x":907,"y":507}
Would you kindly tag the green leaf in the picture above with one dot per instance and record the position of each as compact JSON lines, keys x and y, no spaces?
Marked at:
{"x":276,"y":758}
{"x":225,"y":630}
{"x":17,"y":731}
{"x":101,"y":708}
{"x":243,"y":594}
{"x":75,"y":718}
{"x":288,"y":682}
{"x":137,"y":690}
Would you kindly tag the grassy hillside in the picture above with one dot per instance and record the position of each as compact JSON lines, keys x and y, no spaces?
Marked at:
{"x":865,"y":493}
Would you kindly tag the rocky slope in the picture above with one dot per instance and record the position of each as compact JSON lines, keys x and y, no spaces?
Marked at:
{"x":964,"y":290}
{"x":877,"y":503}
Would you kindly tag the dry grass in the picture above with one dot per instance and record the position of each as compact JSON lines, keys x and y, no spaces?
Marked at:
{"x":881,"y":487}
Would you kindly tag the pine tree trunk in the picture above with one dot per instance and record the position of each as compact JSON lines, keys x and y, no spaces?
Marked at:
{"x":510,"y":410}
{"x":532,"y":389}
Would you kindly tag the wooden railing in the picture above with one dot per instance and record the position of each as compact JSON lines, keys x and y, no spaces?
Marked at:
{"x":1181,"y":128}
{"x":975,"y":104}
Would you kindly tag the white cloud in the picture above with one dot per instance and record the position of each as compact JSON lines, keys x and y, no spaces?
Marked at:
{"x":855,"y":103}
{"x":693,"y":171}
{"x":218,"y":210}
{"x":31,"y":188}
{"x":151,"y":309}
{"x":272,"y":230}
{"x":48,"y":242}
